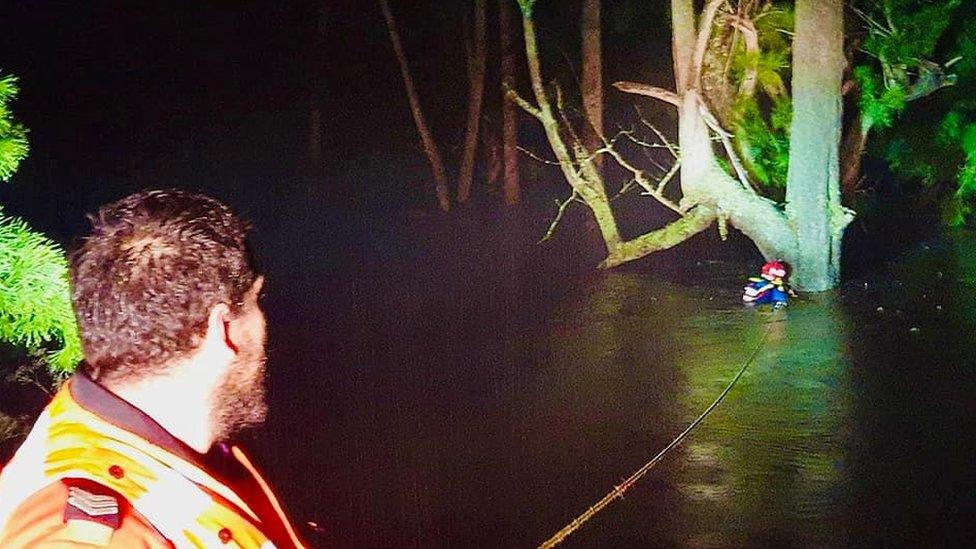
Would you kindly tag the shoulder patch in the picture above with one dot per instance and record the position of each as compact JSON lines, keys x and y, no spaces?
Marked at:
{"x":91,"y":502}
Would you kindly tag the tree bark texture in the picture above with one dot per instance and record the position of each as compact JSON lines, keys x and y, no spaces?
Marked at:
{"x":578,"y":176}
{"x":510,"y":181}
{"x":682,"y":42}
{"x":813,"y":188}
{"x":427,"y":140}
{"x":476,"y":87}
{"x":592,"y":77}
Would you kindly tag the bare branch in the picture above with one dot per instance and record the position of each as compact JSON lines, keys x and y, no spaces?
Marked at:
{"x":668,"y":177}
{"x":534,"y":156}
{"x":559,"y":215}
{"x":648,"y":90}
{"x":697,"y":220}
{"x":704,"y":33}
{"x":671,"y":147}
{"x":641,"y":179}
{"x":627,"y":186}
{"x":514,"y":97}
{"x":725,"y":137}
{"x":751,"y":38}
{"x":871,"y":22}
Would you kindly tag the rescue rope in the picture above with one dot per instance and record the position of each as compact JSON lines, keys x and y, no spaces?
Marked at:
{"x":618,"y":491}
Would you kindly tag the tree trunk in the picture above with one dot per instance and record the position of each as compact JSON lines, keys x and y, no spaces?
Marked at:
{"x":476,"y":79}
{"x":582,"y":178}
{"x":709,"y":193}
{"x":813,"y":187}
{"x":592,"y":78}
{"x":852,"y":154}
{"x":506,"y":25}
{"x":430,"y":148}
{"x":682,"y":42}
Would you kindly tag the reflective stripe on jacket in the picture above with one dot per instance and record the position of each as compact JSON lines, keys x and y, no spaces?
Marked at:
{"x":184,"y":503}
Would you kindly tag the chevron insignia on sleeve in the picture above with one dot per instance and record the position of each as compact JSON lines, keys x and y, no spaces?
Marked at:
{"x":93,"y":505}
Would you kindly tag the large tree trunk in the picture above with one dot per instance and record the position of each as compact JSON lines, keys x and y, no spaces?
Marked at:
{"x":682,"y":42}
{"x":430,"y":148}
{"x":813,"y":188}
{"x":592,"y":78}
{"x":709,"y":193}
{"x":476,"y":80}
{"x":506,"y":26}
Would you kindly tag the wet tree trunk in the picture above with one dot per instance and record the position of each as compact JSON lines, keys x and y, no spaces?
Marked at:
{"x":427,"y":140}
{"x":592,"y":78}
{"x":709,"y":193}
{"x":813,"y":188}
{"x":476,"y":80}
{"x":510,"y":181}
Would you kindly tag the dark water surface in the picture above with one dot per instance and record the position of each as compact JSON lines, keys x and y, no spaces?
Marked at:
{"x":434,"y":390}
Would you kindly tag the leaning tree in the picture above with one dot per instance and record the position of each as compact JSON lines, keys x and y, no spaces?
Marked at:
{"x":713,"y":186}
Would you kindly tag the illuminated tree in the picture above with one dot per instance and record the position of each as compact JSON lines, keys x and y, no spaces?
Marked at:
{"x":476,"y":85}
{"x":714,"y":188}
{"x":933,"y":142}
{"x":35,"y":304}
{"x":895,"y":67}
{"x":591,"y":79}
{"x":509,"y":138}
{"x":426,"y":138}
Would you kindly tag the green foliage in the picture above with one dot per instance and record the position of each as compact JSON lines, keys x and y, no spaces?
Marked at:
{"x":35,"y":303}
{"x":902,"y":31}
{"x":880,"y":105}
{"x":761,"y":122}
{"x":901,"y":36}
{"x":13,"y":136}
{"x":764,"y":141}
{"x":934,"y":144}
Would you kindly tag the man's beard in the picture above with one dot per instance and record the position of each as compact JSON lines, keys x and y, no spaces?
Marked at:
{"x":241,"y":399}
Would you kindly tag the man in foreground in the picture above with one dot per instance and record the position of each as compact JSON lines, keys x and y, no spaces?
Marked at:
{"x":134,"y":451}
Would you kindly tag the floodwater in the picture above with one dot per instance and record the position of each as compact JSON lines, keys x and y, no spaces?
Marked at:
{"x":433,"y":390}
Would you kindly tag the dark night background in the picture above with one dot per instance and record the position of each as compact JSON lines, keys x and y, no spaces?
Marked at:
{"x":440,"y":381}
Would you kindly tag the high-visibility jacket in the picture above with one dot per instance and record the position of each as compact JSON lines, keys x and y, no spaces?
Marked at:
{"x":94,"y":471}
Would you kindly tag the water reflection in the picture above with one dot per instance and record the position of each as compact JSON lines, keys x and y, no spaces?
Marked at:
{"x":459,"y":406}
{"x":768,"y":467}
{"x":644,"y":358}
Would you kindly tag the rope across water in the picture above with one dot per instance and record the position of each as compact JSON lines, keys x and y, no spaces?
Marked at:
{"x":618,"y":491}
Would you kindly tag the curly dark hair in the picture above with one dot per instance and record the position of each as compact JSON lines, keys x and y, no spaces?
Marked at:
{"x":145,"y":280}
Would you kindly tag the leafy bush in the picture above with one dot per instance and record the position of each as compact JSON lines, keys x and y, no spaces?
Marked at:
{"x":35,"y":304}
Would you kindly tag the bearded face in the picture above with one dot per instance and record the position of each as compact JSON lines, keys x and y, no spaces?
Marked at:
{"x":240,"y":401}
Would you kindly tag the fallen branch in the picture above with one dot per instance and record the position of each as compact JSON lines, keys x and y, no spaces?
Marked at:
{"x":648,"y":90}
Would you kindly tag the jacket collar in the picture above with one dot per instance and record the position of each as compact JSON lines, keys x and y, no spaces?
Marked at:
{"x":97,"y":399}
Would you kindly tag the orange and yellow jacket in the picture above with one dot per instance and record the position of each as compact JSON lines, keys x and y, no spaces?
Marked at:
{"x":96,"y":472}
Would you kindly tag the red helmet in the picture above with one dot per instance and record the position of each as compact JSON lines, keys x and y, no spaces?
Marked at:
{"x":775,"y":269}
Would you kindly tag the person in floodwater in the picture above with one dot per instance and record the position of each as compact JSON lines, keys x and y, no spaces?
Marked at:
{"x":769,"y":287}
{"x":134,"y":450}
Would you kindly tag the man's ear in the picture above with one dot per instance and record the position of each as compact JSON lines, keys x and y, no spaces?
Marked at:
{"x":255,"y":290}
{"x":218,"y":327}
